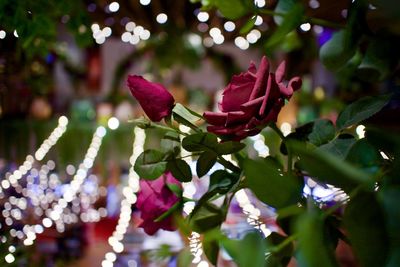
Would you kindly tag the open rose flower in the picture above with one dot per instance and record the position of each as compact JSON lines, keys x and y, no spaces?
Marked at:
{"x":154,"y":199}
{"x":252,"y":99}
{"x":155,"y":100}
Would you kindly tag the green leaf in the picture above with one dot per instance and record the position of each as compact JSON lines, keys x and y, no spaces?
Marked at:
{"x":330,"y":169}
{"x":270,"y":185}
{"x":180,"y":170}
{"x":284,"y":6}
{"x":384,"y":141}
{"x":248,"y":25}
{"x":176,"y":189}
{"x":229,"y":147}
{"x":335,"y":53}
{"x":361,"y":110}
{"x":200,"y":142}
{"x":205,"y":162}
{"x":249,"y":251}
{"x":338,"y":147}
{"x":222,"y":181}
{"x":364,"y":221}
{"x":185,"y":258}
{"x":378,"y":61}
{"x":206,"y":217}
{"x":389,"y":198}
{"x":290,"y":22}
{"x":150,"y":165}
{"x":323,"y":131}
{"x":232,"y":9}
{"x":276,"y":257}
{"x":313,"y":250}
{"x":211,"y":248}
{"x":365,"y":156}
{"x":173,"y":136}
{"x":186,"y":116}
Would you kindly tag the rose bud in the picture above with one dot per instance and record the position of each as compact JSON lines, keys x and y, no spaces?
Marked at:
{"x":250,"y":101}
{"x":154,"y":199}
{"x":154,"y":98}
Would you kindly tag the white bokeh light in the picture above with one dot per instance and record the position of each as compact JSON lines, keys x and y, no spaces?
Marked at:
{"x":113,"y":123}
{"x":114,"y":7}
{"x":162,"y":18}
{"x":229,"y":26}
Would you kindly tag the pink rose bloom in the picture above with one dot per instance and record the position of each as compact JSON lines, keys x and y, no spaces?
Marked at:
{"x":250,"y":100}
{"x":154,"y":199}
{"x":155,"y":100}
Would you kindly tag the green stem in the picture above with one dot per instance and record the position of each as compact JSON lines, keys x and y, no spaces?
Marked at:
{"x":284,"y":243}
{"x":165,"y":128}
{"x":284,"y":139}
{"x":228,"y":164}
{"x":187,"y":156}
{"x":289,"y":160}
{"x":312,"y":20}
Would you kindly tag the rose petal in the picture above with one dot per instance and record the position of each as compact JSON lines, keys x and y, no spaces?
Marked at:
{"x":221,"y":130}
{"x":236,"y":117}
{"x":154,"y":99}
{"x":280,"y":72}
{"x":236,"y":93}
{"x":215,"y":118}
{"x":266,"y":96}
{"x":252,"y":105}
{"x":295,"y":83}
{"x":260,"y":83}
{"x":154,"y":199}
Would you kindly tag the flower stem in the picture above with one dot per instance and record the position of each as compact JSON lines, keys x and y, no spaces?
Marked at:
{"x":284,"y":243}
{"x":289,"y":151}
{"x":228,"y":164}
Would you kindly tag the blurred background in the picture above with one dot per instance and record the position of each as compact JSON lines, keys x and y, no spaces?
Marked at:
{"x":65,"y":107}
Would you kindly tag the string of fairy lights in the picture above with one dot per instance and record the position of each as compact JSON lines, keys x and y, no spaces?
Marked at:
{"x":59,"y":212}
{"x":129,"y":198}
{"x":13,"y":178}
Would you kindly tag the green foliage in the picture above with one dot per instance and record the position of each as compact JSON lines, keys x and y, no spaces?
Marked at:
{"x":249,"y":251}
{"x":150,"y":164}
{"x":184,"y":258}
{"x":322,"y":132}
{"x":211,"y":247}
{"x":279,"y":252}
{"x":338,"y":50}
{"x":291,"y":21}
{"x":200,"y":142}
{"x":361,"y":110}
{"x":270,"y":185}
{"x":313,"y":250}
{"x":331,"y":169}
{"x":185,"y":116}
{"x":233,"y":9}
{"x":206,"y":217}
{"x":248,"y":25}
{"x":180,"y":170}
{"x":36,"y":23}
{"x":229,"y":147}
{"x":205,"y":162}
{"x":365,"y":156}
{"x":339,"y":147}
{"x":363,"y":220}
